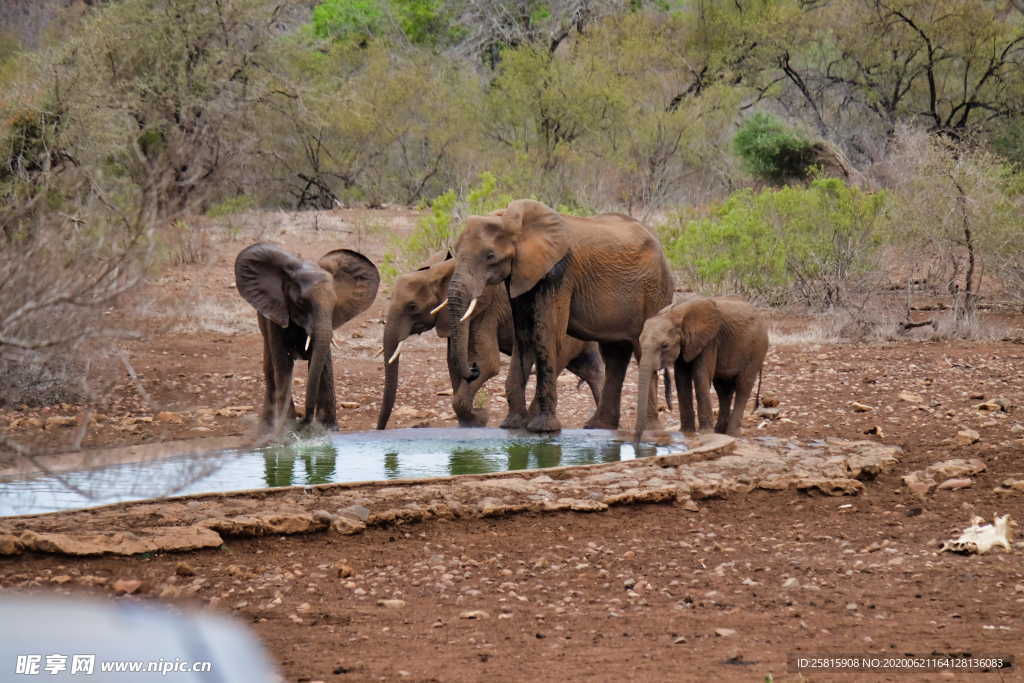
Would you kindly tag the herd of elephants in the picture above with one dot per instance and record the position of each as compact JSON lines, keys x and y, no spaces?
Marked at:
{"x":552,"y":291}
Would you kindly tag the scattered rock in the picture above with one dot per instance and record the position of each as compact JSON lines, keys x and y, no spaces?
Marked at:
{"x":348,"y":405}
{"x":184,"y":569}
{"x":167,"y":417}
{"x":60,"y":421}
{"x":966,"y":437}
{"x":861,"y":407}
{"x":725,"y":632}
{"x":391,"y":604}
{"x":770,"y":402}
{"x":344,"y":570}
{"x":954,"y":484}
{"x":126,"y":586}
{"x":474,"y":614}
{"x":909,"y":397}
{"x":358,"y":512}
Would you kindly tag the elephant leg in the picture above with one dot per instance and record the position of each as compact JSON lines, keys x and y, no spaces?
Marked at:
{"x":744,"y":388}
{"x":725,"y":388}
{"x":684,"y":392}
{"x":544,"y":317}
{"x":326,"y":405}
{"x":703,"y":369}
{"x":588,"y":367}
{"x":515,"y":390}
{"x":278,"y":367}
{"x":616,"y":356}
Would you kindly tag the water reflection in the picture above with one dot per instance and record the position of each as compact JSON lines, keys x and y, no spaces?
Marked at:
{"x":348,"y":457}
{"x":319,"y":461}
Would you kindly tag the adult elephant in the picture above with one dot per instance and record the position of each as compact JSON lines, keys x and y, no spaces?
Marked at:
{"x":721,"y":341}
{"x":595,"y":278}
{"x":418,"y":305}
{"x":299,"y":304}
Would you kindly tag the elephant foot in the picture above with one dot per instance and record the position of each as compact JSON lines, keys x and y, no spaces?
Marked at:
{"x":544,"y":423}
{"x":475,"y":418}
{"x":514,"y":421}
{"x":600,"y":422}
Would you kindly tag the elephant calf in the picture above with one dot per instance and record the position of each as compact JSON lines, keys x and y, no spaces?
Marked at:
{"x":418,"y":304}
{"x":720,"y":340}
{"x":299,"y":304}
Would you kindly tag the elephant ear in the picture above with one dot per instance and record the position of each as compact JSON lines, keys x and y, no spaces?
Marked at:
{"x":439,"y":292}
{"x":262,"y":271}
{"x":701,"y":322}
{"x":541,"y":238}
{"x":355,"y":283}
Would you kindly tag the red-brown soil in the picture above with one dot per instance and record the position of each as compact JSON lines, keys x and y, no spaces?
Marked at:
{"x":633,"y":593}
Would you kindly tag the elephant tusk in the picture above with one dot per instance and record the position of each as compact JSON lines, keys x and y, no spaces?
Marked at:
{"x":398,"y":352}
{"x":309,"y":340}
{"x":439,"y":307}
{"x":334,"y":343}
{"x":469,"y":311}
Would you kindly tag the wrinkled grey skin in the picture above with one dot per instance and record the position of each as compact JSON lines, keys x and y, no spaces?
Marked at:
{"x":721,"y":341}
{"x":487,"y":334}
{"x":299,"y":304}
{"x":595,"y":278}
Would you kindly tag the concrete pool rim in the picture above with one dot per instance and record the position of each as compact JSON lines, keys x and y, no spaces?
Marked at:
{"x":703,"y":446}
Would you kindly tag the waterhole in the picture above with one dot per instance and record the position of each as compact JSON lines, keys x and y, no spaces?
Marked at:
{"x":332,"y":458}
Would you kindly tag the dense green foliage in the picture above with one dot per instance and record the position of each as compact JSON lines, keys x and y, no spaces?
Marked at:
{"x":772,"y":151}
{"x":809,"y":244}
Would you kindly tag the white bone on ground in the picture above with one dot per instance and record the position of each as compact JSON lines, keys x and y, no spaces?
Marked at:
{"x":979,"y":538}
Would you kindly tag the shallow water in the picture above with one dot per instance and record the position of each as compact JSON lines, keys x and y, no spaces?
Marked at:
{"x":340,"y":457}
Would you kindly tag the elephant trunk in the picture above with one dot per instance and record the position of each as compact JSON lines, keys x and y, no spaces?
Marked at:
{"x":322,"y":334}
{"x":648,"y":372}
{"x":459,"y":301}
{"x":395,"y":331}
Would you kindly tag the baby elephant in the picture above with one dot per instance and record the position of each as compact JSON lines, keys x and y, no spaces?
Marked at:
{"x":721,"y":340}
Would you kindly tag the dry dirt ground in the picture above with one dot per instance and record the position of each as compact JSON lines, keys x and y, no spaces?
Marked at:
{"x":648,"y":592}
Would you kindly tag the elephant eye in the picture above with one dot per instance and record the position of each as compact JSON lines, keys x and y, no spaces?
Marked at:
{"x":664,"y":345}
{"x":411,"y":306}
{"x":490,"y":256}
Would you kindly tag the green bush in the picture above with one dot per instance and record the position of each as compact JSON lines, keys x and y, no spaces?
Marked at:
{"x":358,"y":20}
{"x":797,"y":244}
{"x":772,"y":151}
{"x":438,"y":229}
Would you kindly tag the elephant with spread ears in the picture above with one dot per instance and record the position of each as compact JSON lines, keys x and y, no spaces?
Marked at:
{"x":299,"y":304}
{"x":721,"y":341}
{"x":419,"y":304}
{"x":595,"y":278}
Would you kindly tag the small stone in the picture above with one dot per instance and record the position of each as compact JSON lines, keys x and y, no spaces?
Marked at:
{"x":851,"y":607}
{"x":791,"y":582}
{"x":770,"y":402}
{"x":127,"y":586}
{"x":629,"y":583}
{"x":184,"y":569}
{"x":679,"y":641}
{"x":1017,"y":428}
{"x":344,"y":570}
{"x":474,"y":614}
{"x":60,"y":421}
{"x":63,"y":578}
{"x":167,"y":417}
{"x":348,"y":405}
{"x":391,"y":604}
{"x":966,"y":437}
{"x":725,"y":632}
{"x":355,"y":512}
{"x":956,"y":483}
{"x":875,"y":431}
{"x":909,"y":397}
{"x":861,"y":407}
